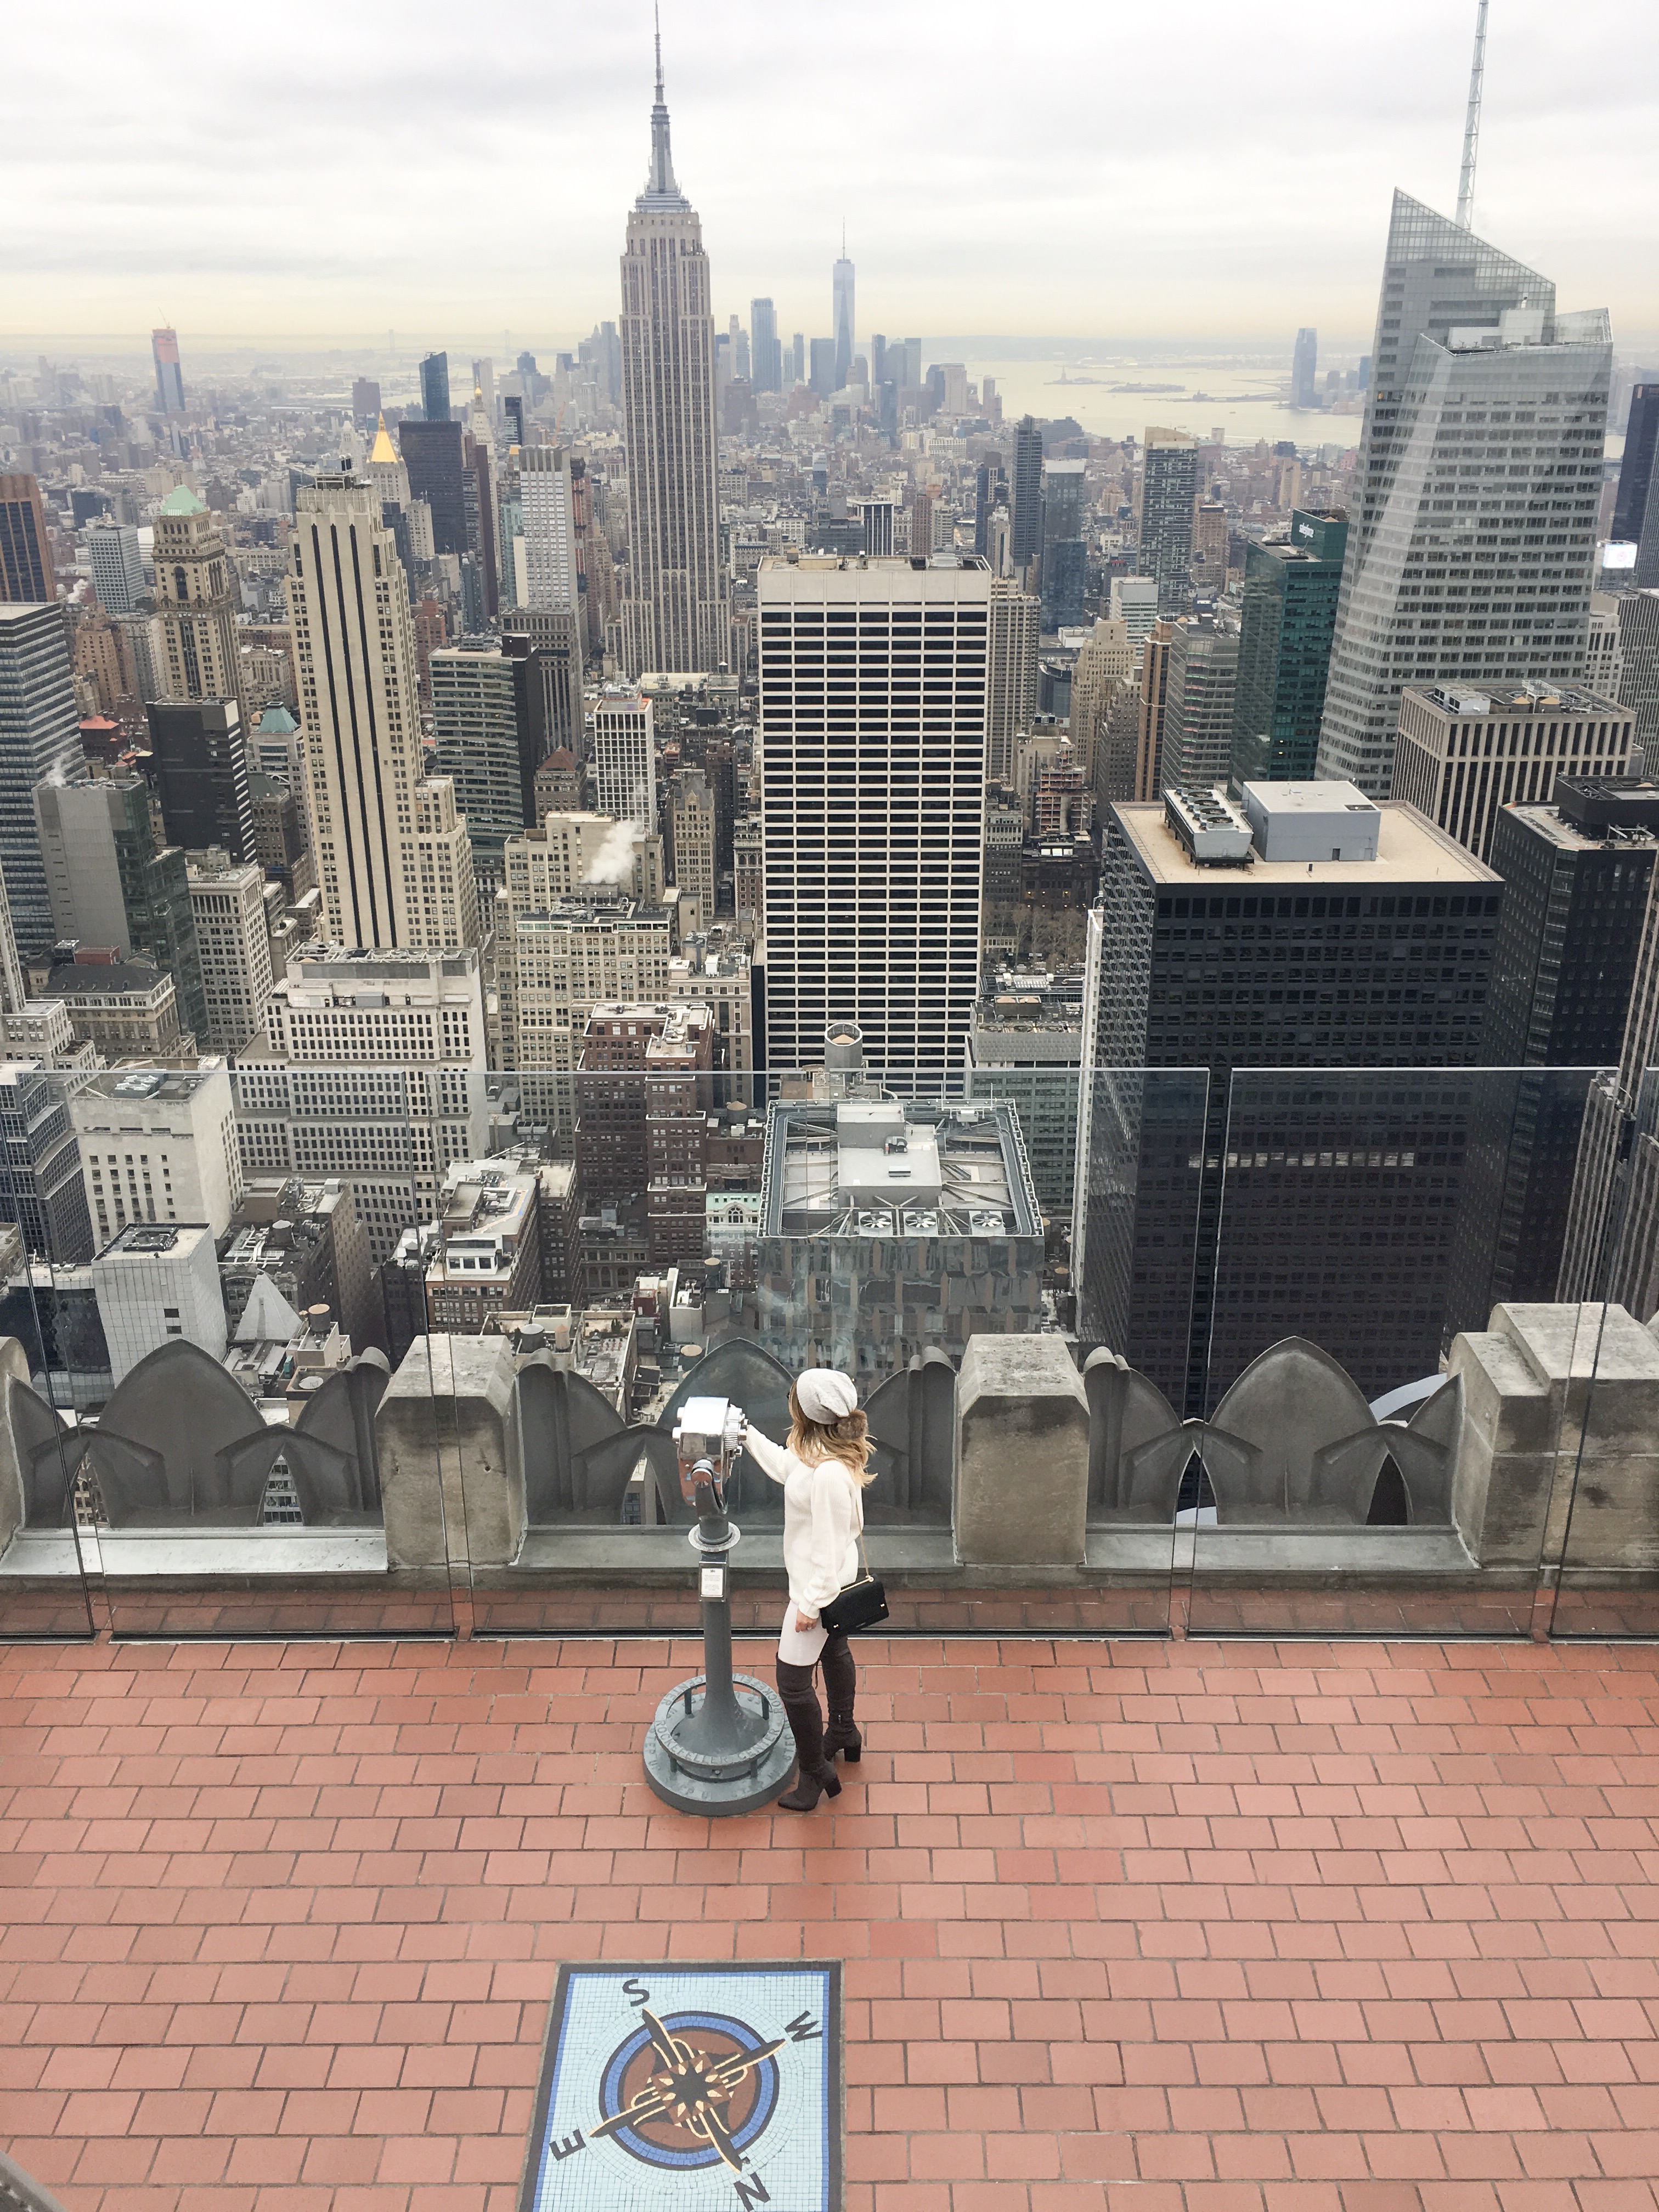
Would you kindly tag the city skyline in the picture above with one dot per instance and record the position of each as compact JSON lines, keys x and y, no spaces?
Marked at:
{"x":971,"y":237}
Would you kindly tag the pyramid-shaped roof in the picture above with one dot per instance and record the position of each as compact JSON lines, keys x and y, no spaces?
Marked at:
{"x":384,"y":454}
{"x":276,"y":722}
{"x":182,"y":501}
{"x":267,"y":1318}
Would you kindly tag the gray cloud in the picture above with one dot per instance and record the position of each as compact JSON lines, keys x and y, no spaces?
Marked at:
{"x":1068,"y":169}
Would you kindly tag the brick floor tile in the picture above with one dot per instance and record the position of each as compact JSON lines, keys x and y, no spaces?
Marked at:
{"x":1200,"y":1927}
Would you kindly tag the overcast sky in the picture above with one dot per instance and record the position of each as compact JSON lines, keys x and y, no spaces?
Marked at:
{"x":319,"y":170}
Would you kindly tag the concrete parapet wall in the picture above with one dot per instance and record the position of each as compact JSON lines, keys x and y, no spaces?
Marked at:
{"x":443,"y":1435}
{"x":1559,"y":1458}
{"x":1022,"y":1461}
{"x":1538,"y":1461}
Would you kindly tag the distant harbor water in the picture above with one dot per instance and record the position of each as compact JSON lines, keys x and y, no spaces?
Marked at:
{"x":1234,"y":401}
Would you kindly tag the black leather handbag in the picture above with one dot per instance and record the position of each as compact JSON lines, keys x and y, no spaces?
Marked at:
{"x":862,"y":1604}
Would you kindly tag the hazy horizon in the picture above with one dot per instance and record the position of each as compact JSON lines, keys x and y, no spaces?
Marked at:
{"x":375,"y":170}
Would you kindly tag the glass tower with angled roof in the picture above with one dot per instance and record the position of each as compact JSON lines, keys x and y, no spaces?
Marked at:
{"x":1472,"y":546}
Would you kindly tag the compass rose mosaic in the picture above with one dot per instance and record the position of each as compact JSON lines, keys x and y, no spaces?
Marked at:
{"x":705,"y":2088}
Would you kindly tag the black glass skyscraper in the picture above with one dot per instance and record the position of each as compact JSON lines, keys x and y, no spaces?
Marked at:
{"x":201,"y":773}
{"x":1064,"y":557}
{"x":1577,"y":876}
{"x":438,"y":474}
{"x":1026,"y":534}
{"x":1635,"y":517}
{"x":435,"y":387}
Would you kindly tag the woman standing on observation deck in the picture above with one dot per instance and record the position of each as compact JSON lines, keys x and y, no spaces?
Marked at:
{"x":823,"y":1469}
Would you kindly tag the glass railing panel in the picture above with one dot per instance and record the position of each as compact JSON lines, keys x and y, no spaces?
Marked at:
{"x":1381,"y":1254}
{"x":232,"y":1383}
{"x":701,"y":1237}
{"x":49,"y":1358}
{"x":1606,"y":1537}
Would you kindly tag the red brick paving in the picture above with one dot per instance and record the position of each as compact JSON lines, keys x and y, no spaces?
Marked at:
{"x":1129,"y":1928}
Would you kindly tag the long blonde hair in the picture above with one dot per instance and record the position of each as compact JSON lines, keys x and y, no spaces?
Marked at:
{"x":846,"y":1439}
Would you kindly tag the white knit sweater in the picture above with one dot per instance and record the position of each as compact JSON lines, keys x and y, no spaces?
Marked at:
{"x":822,"y":1514}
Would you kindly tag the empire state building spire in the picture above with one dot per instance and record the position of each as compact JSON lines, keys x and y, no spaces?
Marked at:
{"x":661,"y":192}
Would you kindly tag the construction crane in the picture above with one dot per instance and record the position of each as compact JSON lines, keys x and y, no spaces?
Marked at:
{"x":1472,"y":124}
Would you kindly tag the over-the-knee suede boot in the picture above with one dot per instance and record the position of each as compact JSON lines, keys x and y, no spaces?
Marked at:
{"x":817,"y":1775}
{"x":841,"y":1679}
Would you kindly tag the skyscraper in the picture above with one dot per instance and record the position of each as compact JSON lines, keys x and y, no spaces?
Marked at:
{"x":1016,"y":622}
{"x":1465,"y":754}
{"x":1477,"y":483}
{"x":400,"y":1037}
{"x":111,"y":884}
{"x":548,"y":502}
{"x":1636,"y":516}
{"x":169,"y":379}
{"x":118,"y":567}
{"x":768,"y":363}
{"x":1638,"y":666}
{"x":1169,"y":487}
{"x":1107,"y":661}
{"x":1304,"y":369}
{"x":1198,"y":730}
{"x":26,"y":577}
{"x":624,"y":760}
{"x":675,"y":615}
{"x":1134,"y":602}
{"x":200,"y":766}
{"x":233,"y":945}
{"x":1027,"y":511}
{"x":841,"y":317}
{"x":40,"y":743}
{"x":1065,"y":556}
{"x":196,"y":598}
{"x":990,"y":492}
{"x":477,"y":742}
{"x":1290,"y":589}
{"x":478,"y":490}
{"x":435,"y":387}
{"x":1154,"y":706}
{"x":1611,"y":1248}
{"x":1199,"y":964}
{"x":1577,"y":876}
{"x":392,"y":860}
{"x":433,"y":456}
{"x":873,"y":806}
{"x":13,"y":989}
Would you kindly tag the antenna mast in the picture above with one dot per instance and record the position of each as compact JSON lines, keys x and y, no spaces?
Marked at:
{"x":1472,"y":124}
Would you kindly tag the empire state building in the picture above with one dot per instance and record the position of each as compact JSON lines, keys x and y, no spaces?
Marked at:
{"x":675,"y":615}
